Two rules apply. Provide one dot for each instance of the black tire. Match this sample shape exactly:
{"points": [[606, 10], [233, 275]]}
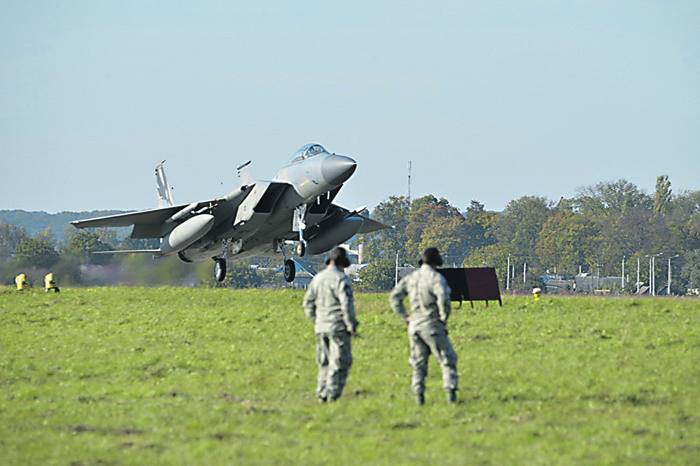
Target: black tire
{"points": [[290, 270], [300, 249], [220, 270]]}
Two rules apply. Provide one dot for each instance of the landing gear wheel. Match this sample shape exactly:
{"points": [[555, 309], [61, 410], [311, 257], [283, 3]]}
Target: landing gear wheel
{"points": [[220, 269], [300, 249], [290, 270]]}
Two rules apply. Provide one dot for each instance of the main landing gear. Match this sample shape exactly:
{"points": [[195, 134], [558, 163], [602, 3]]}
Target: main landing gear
{"points": [[220, 269], [290, 269], [220, 262]]}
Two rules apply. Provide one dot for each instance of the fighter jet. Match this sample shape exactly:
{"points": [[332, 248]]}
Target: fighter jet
{"points": [[290, 216]]}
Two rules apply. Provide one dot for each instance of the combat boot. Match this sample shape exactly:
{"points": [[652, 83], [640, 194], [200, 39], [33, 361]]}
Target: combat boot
{"points": [[452, 396]]}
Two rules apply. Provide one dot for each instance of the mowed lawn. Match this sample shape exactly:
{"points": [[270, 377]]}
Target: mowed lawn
{"points": [[175, 376]]}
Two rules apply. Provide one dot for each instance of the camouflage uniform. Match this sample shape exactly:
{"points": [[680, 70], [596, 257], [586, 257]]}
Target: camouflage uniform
{"points": [[429, 295], [330, 303]]}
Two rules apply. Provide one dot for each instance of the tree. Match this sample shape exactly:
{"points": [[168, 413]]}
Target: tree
{"points": [[378, 275], [610, 198], [47, 235], [428, 215], [662, 195], [83, 245], [632, 232], [479, 232], [129, 243], [567, 241], [684, 207], [10, 237], [690, 271], [423, 210], [495, 255], [36, 252], [520, 224], [387, 243], [449, 235]]}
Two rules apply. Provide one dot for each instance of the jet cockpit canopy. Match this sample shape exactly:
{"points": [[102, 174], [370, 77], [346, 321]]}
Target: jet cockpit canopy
{"points": [[308, 150]]}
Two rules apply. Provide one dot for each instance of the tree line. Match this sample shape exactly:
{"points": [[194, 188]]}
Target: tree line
{"points": [[596, 231]]}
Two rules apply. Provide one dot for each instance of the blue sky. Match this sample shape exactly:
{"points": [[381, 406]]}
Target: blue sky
{"points": [[488, 100]]}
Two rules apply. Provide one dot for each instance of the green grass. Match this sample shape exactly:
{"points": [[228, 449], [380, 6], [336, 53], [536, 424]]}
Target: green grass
{"points": [[173, 376]]}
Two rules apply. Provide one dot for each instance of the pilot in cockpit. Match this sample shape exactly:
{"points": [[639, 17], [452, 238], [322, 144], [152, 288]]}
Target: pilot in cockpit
{"points": [[307, 151]]}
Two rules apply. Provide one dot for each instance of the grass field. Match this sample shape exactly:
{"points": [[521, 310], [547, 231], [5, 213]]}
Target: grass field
{"points": [[173, 376]]}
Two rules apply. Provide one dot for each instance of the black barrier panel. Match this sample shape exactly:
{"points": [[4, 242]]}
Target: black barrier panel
{"points": [[473, 284], [457, 280]]}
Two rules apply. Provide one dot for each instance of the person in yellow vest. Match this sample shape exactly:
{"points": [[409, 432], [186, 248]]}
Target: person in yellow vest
{"points": [[21, 282], [536, 293], [50, 283]]}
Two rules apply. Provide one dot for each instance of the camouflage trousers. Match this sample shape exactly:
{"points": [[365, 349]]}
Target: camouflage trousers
{"points": [[426, 340], [334, 358]]}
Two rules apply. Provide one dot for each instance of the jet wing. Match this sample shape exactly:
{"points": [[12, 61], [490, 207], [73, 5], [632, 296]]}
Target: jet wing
{"points": [[152, 216], [153, 223]]}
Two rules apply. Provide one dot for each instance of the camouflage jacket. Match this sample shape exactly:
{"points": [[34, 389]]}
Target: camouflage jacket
{"points": [[329, 302], [428, 293]]}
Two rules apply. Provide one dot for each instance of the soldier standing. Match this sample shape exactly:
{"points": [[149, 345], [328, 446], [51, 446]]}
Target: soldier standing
{"points": [[329, 302], [429, 296]]}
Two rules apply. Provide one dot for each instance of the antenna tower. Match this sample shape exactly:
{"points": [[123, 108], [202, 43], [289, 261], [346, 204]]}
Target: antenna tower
{"points": [[409, 180]]}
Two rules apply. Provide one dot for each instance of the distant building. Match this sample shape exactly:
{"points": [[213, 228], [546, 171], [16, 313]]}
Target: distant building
{"points": [[582, 283]]}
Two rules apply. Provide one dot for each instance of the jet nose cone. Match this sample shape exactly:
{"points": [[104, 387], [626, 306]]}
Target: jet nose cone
{"points": [[336, 169]]}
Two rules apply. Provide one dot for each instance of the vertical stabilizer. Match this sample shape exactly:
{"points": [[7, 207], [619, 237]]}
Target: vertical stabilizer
{"points": [[244, 174], [165, 195]]}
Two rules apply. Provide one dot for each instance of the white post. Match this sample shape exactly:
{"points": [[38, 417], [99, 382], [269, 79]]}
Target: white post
{"points": [[637, 275], [623, 273], [508, 274], [396, 272], [653, 275], [524, 272]]}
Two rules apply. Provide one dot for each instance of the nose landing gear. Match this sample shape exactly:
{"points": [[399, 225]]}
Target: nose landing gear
{"points": [[290, 270]]}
